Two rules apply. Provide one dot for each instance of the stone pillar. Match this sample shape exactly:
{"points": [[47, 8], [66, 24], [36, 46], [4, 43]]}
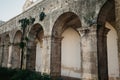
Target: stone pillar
{"points": [[56, 57], [46, 53], [102, 53], [5, 54], [1, 53], [89, 53], [29, 56], [9, 65], [117, 13]]}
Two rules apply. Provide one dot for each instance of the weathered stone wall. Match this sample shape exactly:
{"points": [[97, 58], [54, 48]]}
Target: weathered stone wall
{"points": [[117, 11], [53, 9], [1, 22], [86, 11]]}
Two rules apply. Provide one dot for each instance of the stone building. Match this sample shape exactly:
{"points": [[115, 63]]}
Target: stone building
{"points": [[77, 39], [1, 22]]}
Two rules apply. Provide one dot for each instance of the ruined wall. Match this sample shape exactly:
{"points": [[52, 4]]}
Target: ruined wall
{"points": [[85, 10], [117, 11]]}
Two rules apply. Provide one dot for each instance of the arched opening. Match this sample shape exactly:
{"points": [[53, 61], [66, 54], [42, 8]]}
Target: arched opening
{"points": [[16, 53], [6, 51], [70, 54], [107, 39], [64, 38], [112, 50], [39, 52], [35, 47]]}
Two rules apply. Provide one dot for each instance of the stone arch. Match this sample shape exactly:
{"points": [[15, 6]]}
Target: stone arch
{"points": [[106, 14], [6, 51], [69, 19], [64, 22], [16, 54], [34, 47], [17, 37], [105, 10]]}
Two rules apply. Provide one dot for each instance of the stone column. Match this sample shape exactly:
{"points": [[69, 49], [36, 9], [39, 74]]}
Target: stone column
{"points": [[5, 54], [56, 57], [102, 53], [46, 53], [29, 56], [1, 53], [117, 13], [89, 53], [9, 65]]}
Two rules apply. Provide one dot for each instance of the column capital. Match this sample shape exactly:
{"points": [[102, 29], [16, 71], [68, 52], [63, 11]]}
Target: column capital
{"points": [[11, 44], [87, 30], [106, 30], [47, 36], [15, 44], [56, 38], [103, 31]]}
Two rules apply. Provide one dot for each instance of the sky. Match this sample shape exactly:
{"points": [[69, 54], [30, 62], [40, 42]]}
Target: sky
{"points": [[10, 8]]}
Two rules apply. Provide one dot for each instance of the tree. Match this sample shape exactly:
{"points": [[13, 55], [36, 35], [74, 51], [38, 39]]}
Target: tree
{"points": [[24, 23]]}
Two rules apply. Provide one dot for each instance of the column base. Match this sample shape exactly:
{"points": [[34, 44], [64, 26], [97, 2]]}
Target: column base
{"points": [[88, 76], [9, 65], [114, 78]]}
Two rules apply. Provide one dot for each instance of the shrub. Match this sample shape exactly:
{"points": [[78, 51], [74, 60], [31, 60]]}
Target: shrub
{"points": [[26, 75], [15, 74]]}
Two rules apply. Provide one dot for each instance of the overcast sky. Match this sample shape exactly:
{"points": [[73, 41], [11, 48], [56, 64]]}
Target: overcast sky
{"points": [[10, 8]]}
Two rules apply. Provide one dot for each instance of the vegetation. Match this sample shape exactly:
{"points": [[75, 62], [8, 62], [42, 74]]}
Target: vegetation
{"points": [[15, 74], [24, 23], [42, 16]]}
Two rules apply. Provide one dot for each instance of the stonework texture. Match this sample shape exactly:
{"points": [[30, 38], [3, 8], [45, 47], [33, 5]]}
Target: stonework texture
{"points": [[87, 17]]}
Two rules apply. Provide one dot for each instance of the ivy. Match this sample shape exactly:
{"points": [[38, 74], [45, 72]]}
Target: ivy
{"points": [[26, 38], [42, 16], [32, 20], [22, 45], [25, 22]]}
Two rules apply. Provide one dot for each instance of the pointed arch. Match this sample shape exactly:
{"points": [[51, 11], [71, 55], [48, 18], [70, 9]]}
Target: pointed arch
{"points": [[35, 46], [64, 22], [106, 14], [17, 37], [6, 51], [16, 53]]}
